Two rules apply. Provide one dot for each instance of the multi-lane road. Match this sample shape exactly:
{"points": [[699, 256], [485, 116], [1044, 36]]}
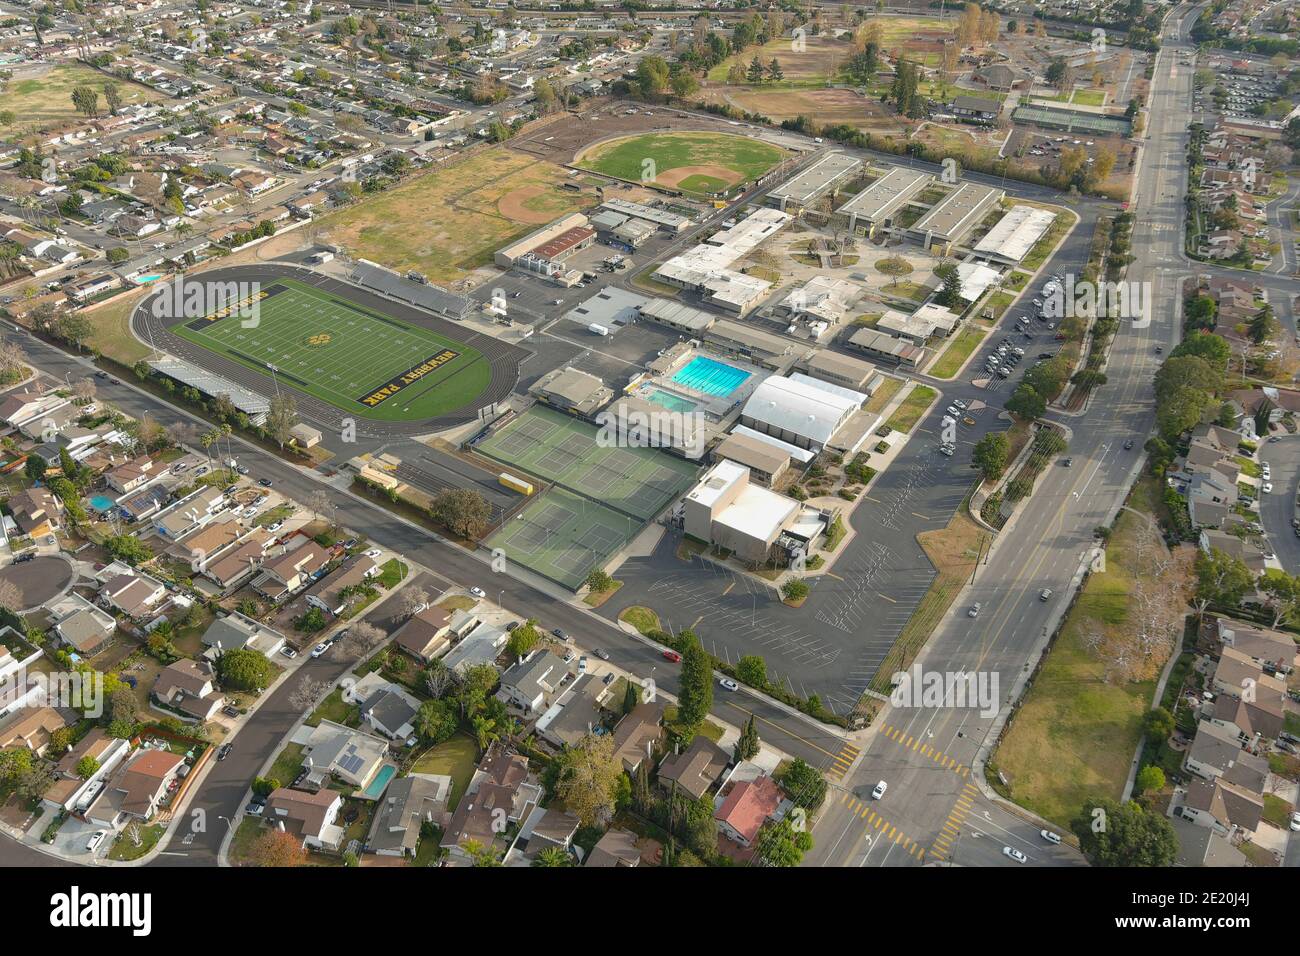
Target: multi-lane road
{"points": [[934, 809]]}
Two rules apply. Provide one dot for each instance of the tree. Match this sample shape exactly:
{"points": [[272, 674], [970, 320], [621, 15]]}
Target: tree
{"points": [[1281, 595], [1157, 726], [523, 639], [87, 766], [553, 856], [774, 71], [34, 468], [755, 72], [631, 697], [128, 548], [894, 266], [587, 778], [794, 590], [113, 97], [86, 100], [752, 670], [1026, 403], [695, 696], [599, 581], [779, 844], [413, 600], [436, 721], [803, 784], [1220, 579], [747, 744], [277, 848], [949, 293], [1115, 834], [990, 455], [462, 511], [362, 638], [244, 669], [281, 418], [1150, 778]]}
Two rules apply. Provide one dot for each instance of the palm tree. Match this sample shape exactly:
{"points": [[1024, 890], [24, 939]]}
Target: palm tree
{"points": [[553, 856]]}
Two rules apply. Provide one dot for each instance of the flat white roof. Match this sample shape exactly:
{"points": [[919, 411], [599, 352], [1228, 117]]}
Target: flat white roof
{"points": [[817, 178], [1016, 233], [798, 408], [801, 455], [716, 481], [886, 194], [849, 394], [975, 278]]}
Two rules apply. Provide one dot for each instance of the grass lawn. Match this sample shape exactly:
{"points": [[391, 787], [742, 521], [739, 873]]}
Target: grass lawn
{"points": [[1075, 735], [246, 834], [124, 847], [884, 394], [391, 572], [1277, 811], [914, 405], [483, 202], [642, 618], [597, 598], [998, 302], [334, 708], [907, 289], [458, 602], [456, 758], [1045, 246], [111, 335], [287, 764], [45, 100], [359, 361], [707, 729], [1089, 97], [957, 352]]}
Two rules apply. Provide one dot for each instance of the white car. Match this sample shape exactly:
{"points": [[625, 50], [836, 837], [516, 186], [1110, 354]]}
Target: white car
{"points": [[320, 648], [974, 610], [582, 664], [95, 840], [1295, 822], [960, 404], [726, 683], [478, 592], [274, 526], [1050, 837], [954, 411], [1014, 854], [879, 791], [1266, 487], [947, 450], [1045, 594], [288, 652], [373, 553]]}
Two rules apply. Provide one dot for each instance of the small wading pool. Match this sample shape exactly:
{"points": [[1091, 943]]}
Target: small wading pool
{"points": [[674, 403]]}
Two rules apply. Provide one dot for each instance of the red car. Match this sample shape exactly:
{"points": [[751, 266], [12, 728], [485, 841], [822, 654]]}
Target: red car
{"points": [[672, 656]]}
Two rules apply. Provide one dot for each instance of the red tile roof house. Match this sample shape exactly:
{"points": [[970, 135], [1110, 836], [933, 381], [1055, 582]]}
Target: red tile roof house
{"points": [[747, 807], [309, 816], [136, 790]]}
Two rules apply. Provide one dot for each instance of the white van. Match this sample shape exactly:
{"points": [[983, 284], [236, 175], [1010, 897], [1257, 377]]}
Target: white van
{"points": [[96, 839]]}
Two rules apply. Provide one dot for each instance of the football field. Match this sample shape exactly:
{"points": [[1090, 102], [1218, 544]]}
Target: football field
{"points": [[360, 361]]}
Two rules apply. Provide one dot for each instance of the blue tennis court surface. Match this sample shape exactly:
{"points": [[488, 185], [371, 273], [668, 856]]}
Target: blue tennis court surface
{"points": [[710, 377]]}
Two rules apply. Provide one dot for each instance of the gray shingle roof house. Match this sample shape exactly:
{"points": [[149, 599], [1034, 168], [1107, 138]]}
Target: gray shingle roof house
{"points": [[390, 713], [410, 802]]}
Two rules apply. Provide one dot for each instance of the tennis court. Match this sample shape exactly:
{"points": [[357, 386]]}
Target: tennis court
{"points": [[562, 536], [639, 482]]}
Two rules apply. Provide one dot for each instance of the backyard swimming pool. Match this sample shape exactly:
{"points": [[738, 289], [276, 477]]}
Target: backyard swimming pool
{"points": [[710, 377]]}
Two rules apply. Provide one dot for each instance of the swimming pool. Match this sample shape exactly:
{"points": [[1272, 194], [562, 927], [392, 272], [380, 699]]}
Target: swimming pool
{"points": [[102, 503], [710, 377], [674, 403], [376, 788]]}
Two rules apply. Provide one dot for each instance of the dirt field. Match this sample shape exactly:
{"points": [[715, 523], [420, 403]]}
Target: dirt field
{"points": [[821, 58], [448, 221], [41, 98], [825, 106]]}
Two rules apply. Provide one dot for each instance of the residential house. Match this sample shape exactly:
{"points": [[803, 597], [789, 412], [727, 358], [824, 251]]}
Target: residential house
{"points": [[616, 847], [696, 769], [501, 792], [189, 687], [747, 806], [334, 592], [286, 573], [135, 791], [31, 727], [82, 626], [1229, 809], [1216, 750], [69, 787], [533, 681], [391, 711], [235, 631], [135, 595], [638, 734], [193, 511], [309, 816], [425, 634], [410, 802], [1273, 650], [36, 511], [1204, 846], [131, 475], [576, 713], [237, 565], [334, 751]]}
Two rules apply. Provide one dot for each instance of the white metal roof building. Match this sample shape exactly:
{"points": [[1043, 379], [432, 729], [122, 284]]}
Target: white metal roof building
{"points": [[884, 197], [815, 181], [706, 268], [956, 214], [805, 413], [1015, 234]]}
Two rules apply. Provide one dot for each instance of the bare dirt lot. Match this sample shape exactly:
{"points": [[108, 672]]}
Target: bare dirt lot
{"points": [[825, 106]]}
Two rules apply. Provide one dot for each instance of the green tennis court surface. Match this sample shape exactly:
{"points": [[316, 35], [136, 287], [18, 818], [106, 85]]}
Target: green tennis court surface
{"points": [[562, 536], [363, 362], [639, 482]]}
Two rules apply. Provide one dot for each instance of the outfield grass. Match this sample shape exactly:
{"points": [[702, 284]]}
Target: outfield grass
{"points": [[359, 361], [704, 162], [913, 407], [1074, 736], [957, 352]]}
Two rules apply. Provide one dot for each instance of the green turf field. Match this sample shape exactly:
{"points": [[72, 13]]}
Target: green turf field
{"points": [[639, 482], [365, 363], [709, 161], [562, 536]]}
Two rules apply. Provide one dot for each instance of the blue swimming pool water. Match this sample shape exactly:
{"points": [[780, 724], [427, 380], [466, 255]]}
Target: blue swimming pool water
{"points": [[101, 503], [674, 403], [710, 377], [145, 279], [376, 788]]}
